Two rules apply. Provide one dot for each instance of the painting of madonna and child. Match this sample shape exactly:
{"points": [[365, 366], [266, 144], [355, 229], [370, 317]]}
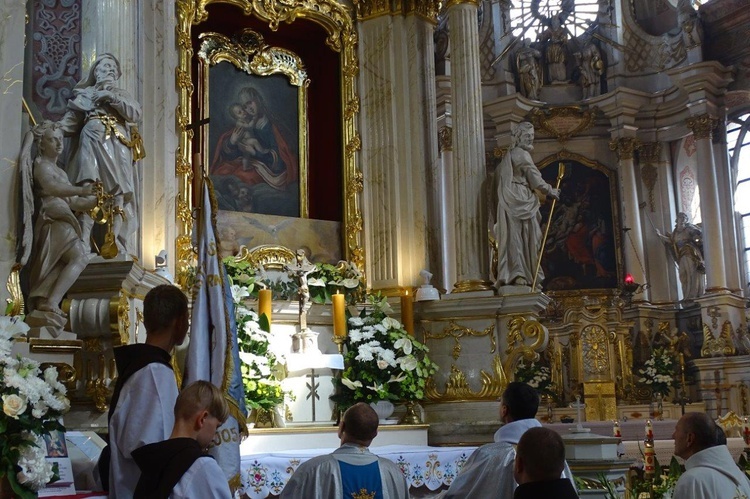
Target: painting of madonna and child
{"points": [[580, 249], [253, 142]]}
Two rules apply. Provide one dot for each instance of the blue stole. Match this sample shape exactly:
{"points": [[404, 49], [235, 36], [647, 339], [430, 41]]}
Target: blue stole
{"points": [[361, 482]]}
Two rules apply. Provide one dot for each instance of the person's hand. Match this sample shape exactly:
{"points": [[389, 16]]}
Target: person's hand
{"points": [[236, 134], [554, 193], [88, 190]]}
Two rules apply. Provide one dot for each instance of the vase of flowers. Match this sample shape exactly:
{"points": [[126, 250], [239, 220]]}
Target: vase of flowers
{"points": [[33, 403], [536, 376], [382, 361], [658, 372]]}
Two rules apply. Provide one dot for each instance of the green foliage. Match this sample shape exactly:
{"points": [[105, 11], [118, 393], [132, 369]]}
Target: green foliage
{"points": [[658, 372], [536, 376], [382, 361]]}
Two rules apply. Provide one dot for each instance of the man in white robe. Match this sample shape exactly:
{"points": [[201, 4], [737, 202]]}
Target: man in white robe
{"points": [[351, 470], [142, 408], [488, 473], [710, 470]]}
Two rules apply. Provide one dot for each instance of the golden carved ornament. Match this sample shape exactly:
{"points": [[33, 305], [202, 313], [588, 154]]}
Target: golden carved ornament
{"points": [[92, 345], [445, 138], [457, 387], [123, 319], [520, 328], [595, 350], [721, 346], [249, 52], [649, 152], [624, 147], [563, 122], [457, 332], [66, 374], [337, 20], [729, 421], [13, 285], [451, 3], [270, 256], [702, 126]]}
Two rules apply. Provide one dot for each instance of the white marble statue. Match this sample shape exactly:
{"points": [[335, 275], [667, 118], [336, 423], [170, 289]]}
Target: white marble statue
{"points": [[556, 38], [54, 247], [106, 144], [516, 221], [529, 70], [591, 66], [685, 245]]}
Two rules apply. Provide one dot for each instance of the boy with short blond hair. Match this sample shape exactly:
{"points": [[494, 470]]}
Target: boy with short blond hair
{"points": [[179, 468]]}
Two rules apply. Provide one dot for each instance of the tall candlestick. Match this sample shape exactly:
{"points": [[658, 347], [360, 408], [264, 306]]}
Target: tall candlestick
{"points": [[339, 316], [407, 312], [264, 303]]}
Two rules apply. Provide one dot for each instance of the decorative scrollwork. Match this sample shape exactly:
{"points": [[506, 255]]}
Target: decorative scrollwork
{"points": [[457, 387], [702, 126], [270, 256], [721, 346], [456, 332], [624, 147], [563, 122]]}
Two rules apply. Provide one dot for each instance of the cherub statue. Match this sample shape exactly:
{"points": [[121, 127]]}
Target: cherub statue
{"points": [[51, 241]]}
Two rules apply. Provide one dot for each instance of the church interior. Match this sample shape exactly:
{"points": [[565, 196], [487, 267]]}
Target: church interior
{"points": [[361, 148]]}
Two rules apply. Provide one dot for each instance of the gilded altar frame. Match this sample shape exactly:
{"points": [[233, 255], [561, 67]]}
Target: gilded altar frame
{"points": [[338, 23], [247, 52]]}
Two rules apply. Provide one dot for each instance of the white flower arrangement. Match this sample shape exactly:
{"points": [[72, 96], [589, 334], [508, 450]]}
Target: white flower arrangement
{"points": [[658, 372], [536, 376], [383, 361], [33, 402]]}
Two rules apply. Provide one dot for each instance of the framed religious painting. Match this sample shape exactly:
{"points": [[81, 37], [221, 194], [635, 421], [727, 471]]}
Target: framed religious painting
{"points": [[255, 146], [581, 249]]}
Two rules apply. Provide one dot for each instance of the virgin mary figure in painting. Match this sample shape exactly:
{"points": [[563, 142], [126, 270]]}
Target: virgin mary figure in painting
{"points": [[255, 154]]}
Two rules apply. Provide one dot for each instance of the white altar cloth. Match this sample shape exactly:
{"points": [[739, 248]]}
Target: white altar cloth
{"points": [[423, 466]]}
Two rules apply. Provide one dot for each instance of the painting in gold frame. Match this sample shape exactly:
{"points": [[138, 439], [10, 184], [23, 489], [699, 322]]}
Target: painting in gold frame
{"points": [[254, 98], [581, 251], [337, 21]]}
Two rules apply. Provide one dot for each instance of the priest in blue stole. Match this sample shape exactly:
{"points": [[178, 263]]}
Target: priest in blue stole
{"points": [[351, 471]]}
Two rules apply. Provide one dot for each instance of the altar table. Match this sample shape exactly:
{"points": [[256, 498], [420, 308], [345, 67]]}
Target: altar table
{"points": [[266, 474]]}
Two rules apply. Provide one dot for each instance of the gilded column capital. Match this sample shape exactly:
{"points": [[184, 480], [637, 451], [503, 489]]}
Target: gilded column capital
{"points": [[649, 152], [445, 138], [451, 3], [426, 9], [369, 9], [702, 126], [624, 147]]}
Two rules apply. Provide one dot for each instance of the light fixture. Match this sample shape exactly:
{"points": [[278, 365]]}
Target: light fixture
{"points": [[160, 266], [426, 292]]}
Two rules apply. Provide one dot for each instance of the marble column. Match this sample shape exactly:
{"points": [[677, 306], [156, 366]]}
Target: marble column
{"points": [[12, 26], [159, 186], [702, 127], [468, 149], [398, 112], [632, 239]]}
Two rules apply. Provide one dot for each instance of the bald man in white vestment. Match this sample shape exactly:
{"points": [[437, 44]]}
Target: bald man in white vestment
{"points": [[488, 473], [142, 407], [351, 470], [710, 470]]}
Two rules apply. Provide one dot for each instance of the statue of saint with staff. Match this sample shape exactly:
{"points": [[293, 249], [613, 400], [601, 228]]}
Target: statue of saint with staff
{"points": [[516, 221]]}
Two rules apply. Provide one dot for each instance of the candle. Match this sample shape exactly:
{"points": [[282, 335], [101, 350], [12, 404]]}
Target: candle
{"points": [[407, 312], [339, 316], [649, 431], [264, 303], [616, 430], [649, 458]]}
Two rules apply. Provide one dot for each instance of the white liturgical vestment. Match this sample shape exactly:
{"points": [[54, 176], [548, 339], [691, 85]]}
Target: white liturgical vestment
{"points": [[488, 473], [203, 479], [712, 473], [320, 477], [144, 415]]}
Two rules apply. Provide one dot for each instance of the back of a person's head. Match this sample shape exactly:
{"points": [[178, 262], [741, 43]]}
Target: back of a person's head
{"points": [[162, 305], [361, 423], [201, 396], [542, 452], [721, 437], [521, 400], [704, 428]]}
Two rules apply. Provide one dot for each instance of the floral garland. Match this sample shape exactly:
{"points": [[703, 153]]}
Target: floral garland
{"points": [[324, 281], [33, 402], [382, 361], [658, 372]]}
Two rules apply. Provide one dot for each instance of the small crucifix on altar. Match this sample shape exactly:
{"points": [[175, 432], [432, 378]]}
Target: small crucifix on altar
{"points": [[306, 340]]}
